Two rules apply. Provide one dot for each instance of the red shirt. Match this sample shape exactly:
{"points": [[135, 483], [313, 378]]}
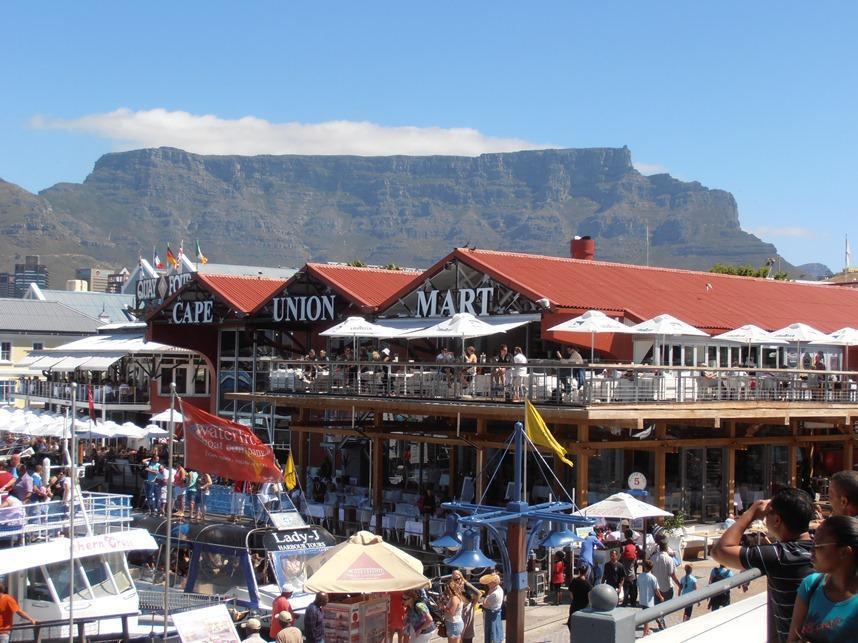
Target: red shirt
{"points": [[5, 477], [396, 615], [8, 608], [280, 604], [559, 575]]}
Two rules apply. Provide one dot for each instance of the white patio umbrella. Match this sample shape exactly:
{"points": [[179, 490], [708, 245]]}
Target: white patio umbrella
{"points": [[800, 334], [164, 416], [153, 430], [844, 337], [667, 326], [624, 505], [750, 334], [355, 327], [593, 321], [131, 430], [460, 326]]}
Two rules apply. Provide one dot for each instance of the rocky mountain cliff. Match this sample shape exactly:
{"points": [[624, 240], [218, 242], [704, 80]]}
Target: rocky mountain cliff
{"points": [[285, 210]]}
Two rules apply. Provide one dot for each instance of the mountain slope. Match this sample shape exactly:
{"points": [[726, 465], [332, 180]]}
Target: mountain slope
{"points": [[285, 210]]}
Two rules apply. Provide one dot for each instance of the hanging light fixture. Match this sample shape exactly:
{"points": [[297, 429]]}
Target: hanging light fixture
{"points": [[560, 536], [450, 541], [470, 556]]}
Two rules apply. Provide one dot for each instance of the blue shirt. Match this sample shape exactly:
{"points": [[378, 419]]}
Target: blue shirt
{"points": [[152, 470], [687, 584], [588, 546], [826, 620], [647, 586]]}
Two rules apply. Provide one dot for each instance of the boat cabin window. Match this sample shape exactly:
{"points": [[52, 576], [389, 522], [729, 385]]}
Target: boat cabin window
{"points": [[98, 572], [59, 573], [218, 572], [120, 572], [37, 587]]}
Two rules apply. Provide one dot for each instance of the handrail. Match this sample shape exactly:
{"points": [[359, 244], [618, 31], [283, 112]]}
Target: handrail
{"points": [[607, 623], [691, 598]]}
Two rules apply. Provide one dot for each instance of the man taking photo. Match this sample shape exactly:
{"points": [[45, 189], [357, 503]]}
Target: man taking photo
{"points": [[785, 562]]}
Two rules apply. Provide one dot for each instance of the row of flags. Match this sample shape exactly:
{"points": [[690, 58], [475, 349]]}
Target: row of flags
{"points": [[175, 258]]}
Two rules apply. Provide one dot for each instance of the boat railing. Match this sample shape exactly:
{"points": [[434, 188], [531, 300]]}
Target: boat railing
{"points": [[36, 521], [42, 630], [152, 601]]}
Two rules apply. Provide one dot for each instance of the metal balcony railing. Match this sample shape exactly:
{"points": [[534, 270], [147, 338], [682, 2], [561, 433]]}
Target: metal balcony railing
{"points": [[554, 382], [110, 394]]}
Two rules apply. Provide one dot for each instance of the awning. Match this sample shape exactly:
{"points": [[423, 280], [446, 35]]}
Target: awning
{"points": [[62, 362]]}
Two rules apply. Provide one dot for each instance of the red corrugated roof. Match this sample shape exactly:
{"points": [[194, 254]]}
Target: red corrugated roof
{"points": [[710, 301], [367, 287], [241, 293]]}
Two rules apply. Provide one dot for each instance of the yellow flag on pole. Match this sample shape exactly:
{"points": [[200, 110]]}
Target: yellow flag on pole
{"points": [[539, 434], [290, 477]]}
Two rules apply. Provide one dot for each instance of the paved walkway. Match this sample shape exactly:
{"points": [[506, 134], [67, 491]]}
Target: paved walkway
{"points": [[547, 623]]}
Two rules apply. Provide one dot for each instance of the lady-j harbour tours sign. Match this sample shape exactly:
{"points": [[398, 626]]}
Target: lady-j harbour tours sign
{"points": [[227, 449]]}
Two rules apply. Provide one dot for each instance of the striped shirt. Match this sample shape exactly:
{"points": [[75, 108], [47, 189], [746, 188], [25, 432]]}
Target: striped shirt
{"points": [[785, 565]]}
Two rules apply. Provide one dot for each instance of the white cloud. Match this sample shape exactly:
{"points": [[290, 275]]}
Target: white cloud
{"points": [[649, 168], [208, 134], [783, 231]]}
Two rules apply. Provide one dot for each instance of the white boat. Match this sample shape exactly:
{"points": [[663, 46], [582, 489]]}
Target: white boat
{"points": [[36, 558]]}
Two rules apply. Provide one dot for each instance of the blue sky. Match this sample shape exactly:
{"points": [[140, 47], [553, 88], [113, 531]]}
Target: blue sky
{"points": [[756, 98]]}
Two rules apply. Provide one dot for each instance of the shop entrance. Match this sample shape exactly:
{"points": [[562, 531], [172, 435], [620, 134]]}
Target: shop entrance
{"points": [[702, 483]]}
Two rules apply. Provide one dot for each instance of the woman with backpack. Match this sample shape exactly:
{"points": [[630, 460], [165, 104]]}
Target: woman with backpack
{"points": [[687, 584], [419, 624]]}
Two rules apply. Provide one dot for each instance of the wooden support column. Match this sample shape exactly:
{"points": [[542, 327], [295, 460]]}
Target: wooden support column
{"points": [[660, 474], [479, 469], [848, 455], [377, 472], [559, 468], [792, 449], [454, 470], [583, 467], [302, 452], [377, 481], [731, 470]]}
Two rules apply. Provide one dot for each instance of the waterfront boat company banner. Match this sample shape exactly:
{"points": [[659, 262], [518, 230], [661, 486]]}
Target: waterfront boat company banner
{"points": [[225, 448]]}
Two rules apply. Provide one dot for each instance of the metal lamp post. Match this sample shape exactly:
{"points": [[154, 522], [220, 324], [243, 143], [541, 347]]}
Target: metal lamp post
{"points": [[515, 546]]}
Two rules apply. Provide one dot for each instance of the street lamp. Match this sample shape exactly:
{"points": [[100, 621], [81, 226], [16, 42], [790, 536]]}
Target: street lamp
{"points": [[559, 537], [450, 541], [514, 547], [470, 556]]}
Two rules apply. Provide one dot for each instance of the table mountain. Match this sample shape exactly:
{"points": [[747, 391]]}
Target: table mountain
{"points": [[285, 210]]}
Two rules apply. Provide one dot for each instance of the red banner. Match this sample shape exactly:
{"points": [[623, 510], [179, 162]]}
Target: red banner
{"points": [[221, 447]]}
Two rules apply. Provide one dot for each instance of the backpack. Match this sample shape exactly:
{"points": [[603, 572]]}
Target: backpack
{"points": [[630, 552]]}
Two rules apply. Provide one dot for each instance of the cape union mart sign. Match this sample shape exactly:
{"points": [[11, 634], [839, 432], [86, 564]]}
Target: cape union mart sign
{"points": [[305, 308], [446, 303], [192, 312]]}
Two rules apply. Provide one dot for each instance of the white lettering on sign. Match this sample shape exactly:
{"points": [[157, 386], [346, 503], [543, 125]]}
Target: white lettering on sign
{"points": [[193, 312], [446, 303], [161, 287], [309, 308]]}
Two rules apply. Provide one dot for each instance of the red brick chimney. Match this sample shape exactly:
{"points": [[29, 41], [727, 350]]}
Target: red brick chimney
{"points": [[583, 248]]}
